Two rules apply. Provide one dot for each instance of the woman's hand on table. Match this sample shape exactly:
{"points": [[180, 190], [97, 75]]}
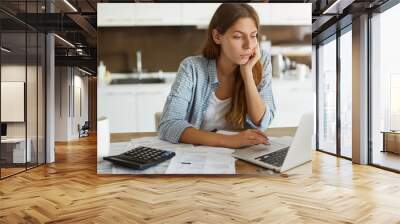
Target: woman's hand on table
{"points": [[245, 138]]}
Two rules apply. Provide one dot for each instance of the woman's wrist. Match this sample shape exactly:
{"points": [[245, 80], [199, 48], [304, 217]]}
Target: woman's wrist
{"points": [[246, 72], [223, 140], [247, 76], [248, 80]]}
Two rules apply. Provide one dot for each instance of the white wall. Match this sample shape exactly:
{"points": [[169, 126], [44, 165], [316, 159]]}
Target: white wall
{"points": [[62, 81], [17, 73], [70, 83], [80, 100], [33, 126]]}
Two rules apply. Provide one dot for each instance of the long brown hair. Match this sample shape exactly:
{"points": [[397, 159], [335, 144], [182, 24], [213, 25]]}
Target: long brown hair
{"points": [[224, 17]]}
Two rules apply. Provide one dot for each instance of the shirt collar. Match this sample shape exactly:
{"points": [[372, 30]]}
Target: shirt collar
{"points": [[212, 71]]}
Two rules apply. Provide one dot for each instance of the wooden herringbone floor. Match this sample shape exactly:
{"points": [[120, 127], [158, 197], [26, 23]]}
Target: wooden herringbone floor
{"points": [[70, 191]]}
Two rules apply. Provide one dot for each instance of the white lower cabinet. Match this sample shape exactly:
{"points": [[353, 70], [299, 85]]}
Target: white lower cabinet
{"points": [[148, 104], [132, 108], [119, 108]]}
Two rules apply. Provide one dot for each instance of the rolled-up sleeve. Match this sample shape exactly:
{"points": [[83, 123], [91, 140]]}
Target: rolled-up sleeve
{"points": [[175, 114], [265, 90]]}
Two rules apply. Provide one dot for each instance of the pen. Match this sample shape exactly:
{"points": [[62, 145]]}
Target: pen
{"points": [[185, 163]]}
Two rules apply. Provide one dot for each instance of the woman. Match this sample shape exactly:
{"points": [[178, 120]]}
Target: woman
{"points": [[226, 88]]}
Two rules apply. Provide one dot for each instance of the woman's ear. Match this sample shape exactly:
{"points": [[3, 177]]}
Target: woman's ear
{"points": [[216, 36]]}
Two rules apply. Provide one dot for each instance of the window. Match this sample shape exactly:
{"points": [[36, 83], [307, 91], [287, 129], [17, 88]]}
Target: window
{"points": [[22, 74], [327, 96], [346, 93], [385, 89]]}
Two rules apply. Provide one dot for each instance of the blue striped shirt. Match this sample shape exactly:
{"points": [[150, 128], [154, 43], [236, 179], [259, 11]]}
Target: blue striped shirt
{"points": [[190, 94]]}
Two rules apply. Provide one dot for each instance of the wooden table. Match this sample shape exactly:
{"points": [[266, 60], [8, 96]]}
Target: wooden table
{"points": [[391, 141], [241, 166]]}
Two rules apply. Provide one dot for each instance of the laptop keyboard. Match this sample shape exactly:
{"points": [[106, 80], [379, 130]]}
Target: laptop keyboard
{"points": [[274, 158]]}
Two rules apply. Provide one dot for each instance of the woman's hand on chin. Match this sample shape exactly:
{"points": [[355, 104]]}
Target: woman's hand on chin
{"points": [[246, 69]]}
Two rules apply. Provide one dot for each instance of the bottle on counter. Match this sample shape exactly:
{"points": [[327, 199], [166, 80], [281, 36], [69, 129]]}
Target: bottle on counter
{"points": [[103, 75], [101, 72], [139, 61], [265, 44]]}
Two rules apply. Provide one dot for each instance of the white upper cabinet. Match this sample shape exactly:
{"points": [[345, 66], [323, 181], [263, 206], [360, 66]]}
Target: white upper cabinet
{"points": [[138, 14], [150, 14], [194, 14], [198, 14], [294, 14], [112, 14]]}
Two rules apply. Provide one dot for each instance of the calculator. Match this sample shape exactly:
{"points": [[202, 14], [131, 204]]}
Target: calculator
{"points": [[141, 157]]}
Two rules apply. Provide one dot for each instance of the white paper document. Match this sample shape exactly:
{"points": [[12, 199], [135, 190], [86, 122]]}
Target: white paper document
{"points": [[190, 159], [202, 160]]}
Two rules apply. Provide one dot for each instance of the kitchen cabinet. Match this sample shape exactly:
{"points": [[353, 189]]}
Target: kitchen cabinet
{"points": [[148, 104], [119, 108], [271, 14], [132, 108], [293, 98], [139, 14], [150, 14], [194, 14], [198, 14], [114, 15]]}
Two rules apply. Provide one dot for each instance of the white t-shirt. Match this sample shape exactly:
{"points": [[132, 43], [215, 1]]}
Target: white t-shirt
{"points": [[214, 117]]}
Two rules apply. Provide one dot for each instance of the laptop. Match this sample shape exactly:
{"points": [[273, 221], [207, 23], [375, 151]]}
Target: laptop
{"points": [[281, 156]]}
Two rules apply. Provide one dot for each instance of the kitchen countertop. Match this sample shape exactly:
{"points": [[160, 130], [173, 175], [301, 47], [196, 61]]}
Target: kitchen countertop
{"points": [[139, 87], [168, 76], [122, 88]]}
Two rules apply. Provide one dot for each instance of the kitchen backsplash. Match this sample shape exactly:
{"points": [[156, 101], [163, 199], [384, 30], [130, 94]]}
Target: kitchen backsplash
{"points": [[163, 48]]}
